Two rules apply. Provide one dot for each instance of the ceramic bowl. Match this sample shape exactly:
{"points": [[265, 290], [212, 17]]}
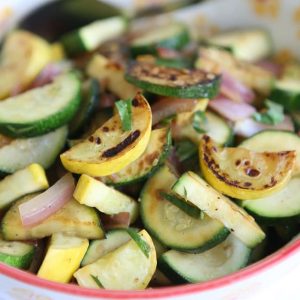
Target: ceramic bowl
{"points": [[276, 275]]}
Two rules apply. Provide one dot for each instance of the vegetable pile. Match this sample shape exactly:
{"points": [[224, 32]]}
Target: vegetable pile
{"points": [[135, 159]]}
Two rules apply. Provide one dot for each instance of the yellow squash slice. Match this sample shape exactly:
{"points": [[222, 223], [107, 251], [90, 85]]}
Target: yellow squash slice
{"points": [[126, 268], [109, 149], [63, 257], [111, 75], [94, 193], [245, 174], [23, 56]]}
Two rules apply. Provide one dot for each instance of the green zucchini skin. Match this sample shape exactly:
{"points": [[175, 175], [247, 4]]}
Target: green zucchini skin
{"points": [[89, 37], [89, 101], [20, 255], [167, 81], [288, 99], [183, 267], [73, 44], [175, 62], [49, 122], [296, 119], [171, 274]]}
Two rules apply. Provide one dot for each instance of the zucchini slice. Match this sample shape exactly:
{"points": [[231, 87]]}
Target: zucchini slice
{"points": [[109, 149], [173, 35], [244, 174], [94, 193], [227, 257], [248, 45], [19, 153], [110, 74], [174, 82], [114, 239], [73, 219], [63, 257], [89, 102], [172, 226], [16, 254], [274, 141], [282, 207], [23, 56], [197, 191], [216, 127], [91, 36], [218, 60], [41, 110], [287, 93], [154, 155], [26, 181], [126, 262]]}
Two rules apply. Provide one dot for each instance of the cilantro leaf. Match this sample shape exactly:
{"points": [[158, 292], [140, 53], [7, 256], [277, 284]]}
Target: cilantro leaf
{"points": [[199, 121], [124, 110], [272, 115]]}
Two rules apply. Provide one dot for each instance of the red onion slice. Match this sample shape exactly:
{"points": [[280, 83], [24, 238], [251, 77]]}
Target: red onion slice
{"points": [[248, 127], [235, 90], [231, 110], [47, 203], [270, 66], [48, 74], [168, 106]]}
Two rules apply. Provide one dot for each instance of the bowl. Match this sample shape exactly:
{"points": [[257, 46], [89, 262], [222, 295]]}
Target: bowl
{"points": [[276, 275]]}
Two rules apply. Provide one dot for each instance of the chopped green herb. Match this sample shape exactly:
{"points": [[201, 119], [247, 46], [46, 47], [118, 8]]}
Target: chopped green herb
{"points": [[185, 149], [139, 241], [184, 192], [96, 279], [272, 115], [199, 121], [167, 120], [190, 209], [124, 110]]}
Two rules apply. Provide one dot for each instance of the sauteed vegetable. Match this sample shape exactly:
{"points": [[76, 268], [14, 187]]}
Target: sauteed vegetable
{"points": [[133, 159]]}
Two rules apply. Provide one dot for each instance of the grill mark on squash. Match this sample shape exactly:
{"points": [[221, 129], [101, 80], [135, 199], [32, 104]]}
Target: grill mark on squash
{"points": [[121, 146]]}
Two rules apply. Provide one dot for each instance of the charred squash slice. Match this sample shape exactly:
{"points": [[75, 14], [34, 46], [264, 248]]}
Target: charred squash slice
{"points": [[245, 174], [154, 155], [23, 56], [109, 149]]}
